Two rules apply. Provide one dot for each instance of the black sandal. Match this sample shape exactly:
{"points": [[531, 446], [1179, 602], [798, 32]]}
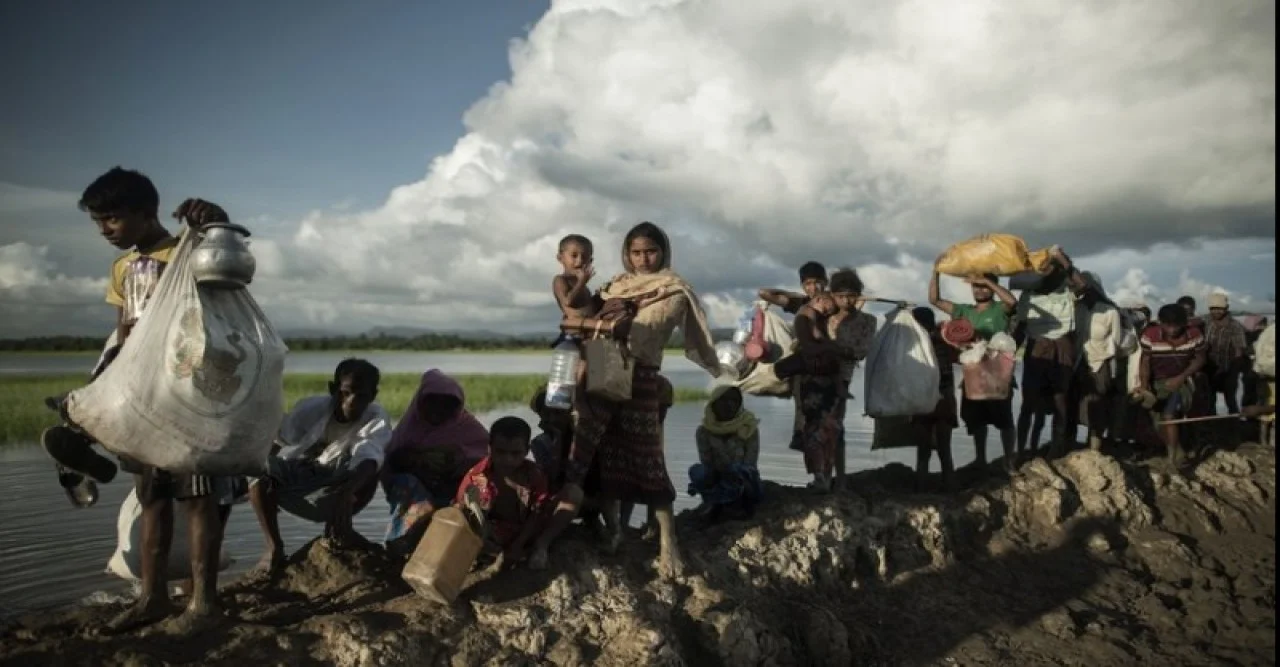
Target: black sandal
{"points": [[74, 451], [82, 492]]}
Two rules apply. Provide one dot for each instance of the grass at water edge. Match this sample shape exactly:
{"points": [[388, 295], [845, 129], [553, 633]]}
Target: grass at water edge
{"points": [[23, 414]]}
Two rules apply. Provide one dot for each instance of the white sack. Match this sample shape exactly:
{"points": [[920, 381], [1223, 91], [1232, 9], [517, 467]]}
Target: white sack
{"points": [[126, 562], [1264, 362], [902, 375], [197, 388]]}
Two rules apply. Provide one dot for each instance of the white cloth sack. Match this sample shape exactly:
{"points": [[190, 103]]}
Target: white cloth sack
{"points": [[1264, 362], [197, 388], [902, 374], [126, 562], [761, 380]]}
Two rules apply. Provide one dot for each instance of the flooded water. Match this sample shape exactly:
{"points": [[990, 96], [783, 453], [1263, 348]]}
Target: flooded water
{"points": [[51, 553]]}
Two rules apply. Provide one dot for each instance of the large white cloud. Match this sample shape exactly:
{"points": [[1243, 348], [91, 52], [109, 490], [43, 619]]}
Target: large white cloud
{"points": [[763, 134]]}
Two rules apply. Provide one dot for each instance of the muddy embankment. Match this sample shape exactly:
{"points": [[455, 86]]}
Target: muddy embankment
{"points": [[1081, 561]]}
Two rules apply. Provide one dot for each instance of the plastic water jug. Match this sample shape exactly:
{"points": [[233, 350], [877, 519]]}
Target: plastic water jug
{"points": [[440, 565], [563, 379]]}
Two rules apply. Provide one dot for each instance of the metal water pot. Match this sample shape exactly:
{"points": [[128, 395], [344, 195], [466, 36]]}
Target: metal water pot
{"points": [[222, 260]]}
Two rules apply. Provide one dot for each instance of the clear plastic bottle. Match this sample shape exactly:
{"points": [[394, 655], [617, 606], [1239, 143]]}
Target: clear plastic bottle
{"points": [[742, 333], [563, 379]]}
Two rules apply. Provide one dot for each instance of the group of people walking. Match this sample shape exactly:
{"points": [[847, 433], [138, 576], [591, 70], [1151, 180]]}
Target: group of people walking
{"points": [[606, 454]]}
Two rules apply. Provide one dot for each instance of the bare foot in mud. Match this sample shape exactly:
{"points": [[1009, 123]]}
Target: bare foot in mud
{"points": [[670, 565], [650, 532], [143, 613], [270, 566], [195, 620]]}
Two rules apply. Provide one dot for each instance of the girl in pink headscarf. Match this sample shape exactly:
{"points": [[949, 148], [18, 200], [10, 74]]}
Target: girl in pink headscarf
{"points": [[434, 444]]}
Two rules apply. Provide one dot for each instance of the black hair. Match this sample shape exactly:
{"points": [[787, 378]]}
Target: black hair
{"points": [[578, 239], [812, 271], [511, 427], [121, 190], [646, 230], [995, 280], [845, 280], [1187, 302], [358, 370], [925, 317], [1173, 314]]}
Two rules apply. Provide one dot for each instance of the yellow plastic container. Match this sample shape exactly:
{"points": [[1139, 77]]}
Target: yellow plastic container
{"points": [[444, 557]]}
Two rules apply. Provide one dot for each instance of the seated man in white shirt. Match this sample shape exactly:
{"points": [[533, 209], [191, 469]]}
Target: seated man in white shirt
{"points": [[330, 449]]}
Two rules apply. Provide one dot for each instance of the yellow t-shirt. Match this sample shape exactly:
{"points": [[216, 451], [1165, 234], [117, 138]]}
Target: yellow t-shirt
{"points": [[120, 268]]}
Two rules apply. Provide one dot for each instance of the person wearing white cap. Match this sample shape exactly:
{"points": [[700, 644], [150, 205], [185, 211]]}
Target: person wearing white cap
{"points": [[1228, 351]]}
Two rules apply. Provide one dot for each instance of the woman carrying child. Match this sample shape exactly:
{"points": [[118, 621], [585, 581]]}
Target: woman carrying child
{"points": [[727, 474], [431, 448], [627, 435]]}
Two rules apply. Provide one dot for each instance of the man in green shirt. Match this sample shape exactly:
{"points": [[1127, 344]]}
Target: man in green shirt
{"points": [[990, 314]]}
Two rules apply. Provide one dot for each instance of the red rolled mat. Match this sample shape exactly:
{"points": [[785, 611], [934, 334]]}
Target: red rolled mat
{"points": [[959, 332]]}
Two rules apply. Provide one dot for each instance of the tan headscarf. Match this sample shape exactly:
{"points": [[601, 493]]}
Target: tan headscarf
{"points": [[698, 345]]}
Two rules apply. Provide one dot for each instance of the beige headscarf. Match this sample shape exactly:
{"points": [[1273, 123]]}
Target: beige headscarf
{"points": [[698, 345]]}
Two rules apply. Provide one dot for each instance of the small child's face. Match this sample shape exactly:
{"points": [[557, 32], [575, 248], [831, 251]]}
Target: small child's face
{"points": [[507, 453], [813, 286], [573, 256], [122, 229], [823, 304], [846, 301]]}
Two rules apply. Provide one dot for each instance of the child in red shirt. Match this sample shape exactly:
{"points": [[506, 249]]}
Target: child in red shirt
{"points": [[511, 490]]}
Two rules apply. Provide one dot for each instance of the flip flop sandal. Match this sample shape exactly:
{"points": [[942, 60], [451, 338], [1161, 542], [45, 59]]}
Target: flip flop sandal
{"points": [[82, 493], [74, 452]]}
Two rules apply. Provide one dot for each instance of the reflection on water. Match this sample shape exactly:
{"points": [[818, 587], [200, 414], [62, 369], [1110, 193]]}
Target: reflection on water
{"points": [[53, 554]]}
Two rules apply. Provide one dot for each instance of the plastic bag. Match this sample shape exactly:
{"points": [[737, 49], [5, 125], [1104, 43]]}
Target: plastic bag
{"points": [[1264, 362], [1001, 254], [988, 368], [902, 375], [198, 386], [126, 562], [780, 341]]}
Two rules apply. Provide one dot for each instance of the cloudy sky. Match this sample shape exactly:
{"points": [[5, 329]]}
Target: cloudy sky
{"points": [[414, 163]]}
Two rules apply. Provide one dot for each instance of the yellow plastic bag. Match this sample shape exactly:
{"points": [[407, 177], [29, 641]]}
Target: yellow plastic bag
{"points": [[1001, 254]]}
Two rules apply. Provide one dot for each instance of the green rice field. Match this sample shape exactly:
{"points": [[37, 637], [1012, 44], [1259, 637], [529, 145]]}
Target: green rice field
{"points": [[23, 414]]}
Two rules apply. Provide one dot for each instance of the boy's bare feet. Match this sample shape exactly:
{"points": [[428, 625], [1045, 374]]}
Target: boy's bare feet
{"points": [[195, 620], [144, 612], [670, 565], [271, 564]]}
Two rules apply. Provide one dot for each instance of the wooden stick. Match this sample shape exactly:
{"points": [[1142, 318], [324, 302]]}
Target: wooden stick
{"points": [[1192, 420]]}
